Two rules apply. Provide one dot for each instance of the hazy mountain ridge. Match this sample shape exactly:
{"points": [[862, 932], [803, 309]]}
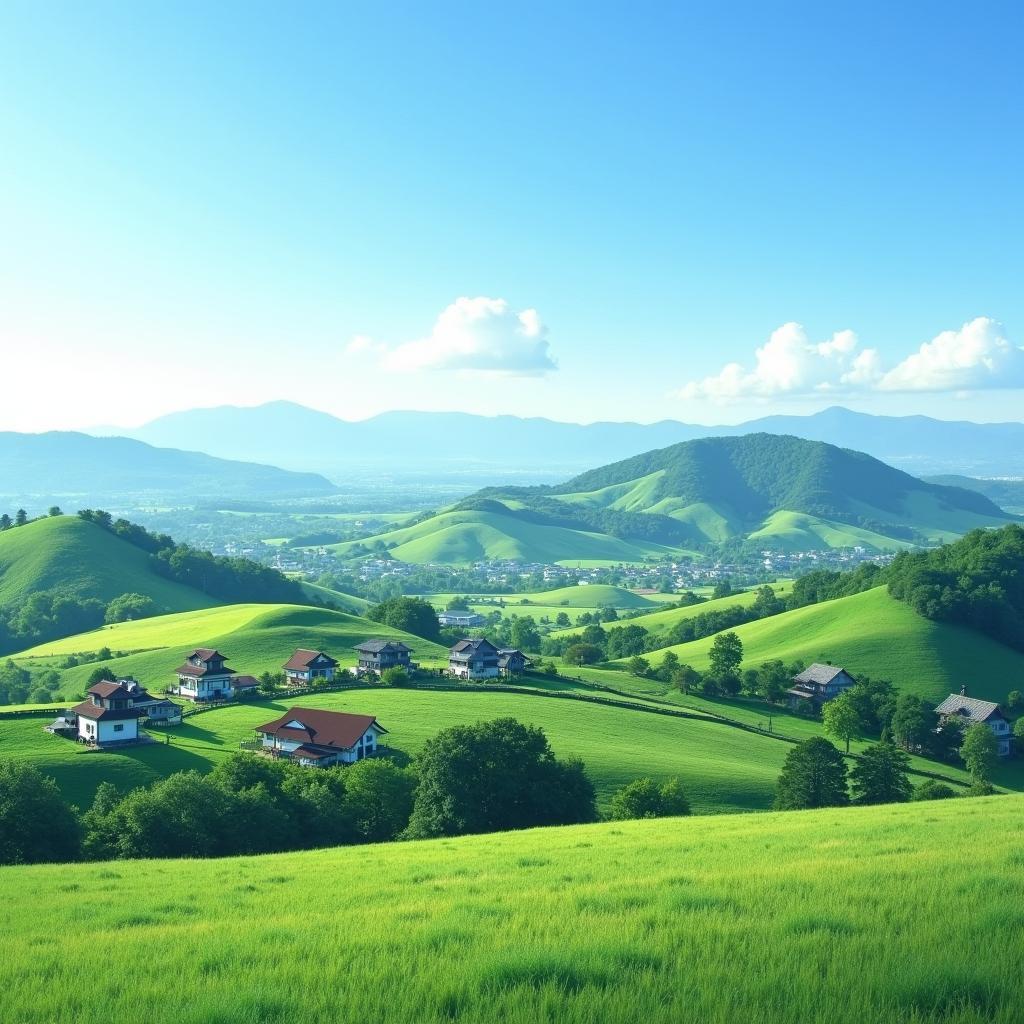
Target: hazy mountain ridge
{"points": [[292, 435]]}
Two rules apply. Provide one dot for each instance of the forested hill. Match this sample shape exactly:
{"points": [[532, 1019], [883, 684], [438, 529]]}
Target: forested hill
{"points": [[758, 474]]}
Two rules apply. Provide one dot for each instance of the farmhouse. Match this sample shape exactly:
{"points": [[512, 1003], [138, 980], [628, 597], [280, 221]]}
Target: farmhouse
{"points": [[377, 655], [512, 662], [158, 710], [204, 676], [305, 666], [474, 659], [818, 684], [317, 738], [462, 619], [108, 717], [970, 711]]}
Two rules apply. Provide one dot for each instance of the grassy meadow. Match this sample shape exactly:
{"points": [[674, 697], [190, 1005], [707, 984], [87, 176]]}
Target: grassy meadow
{"points": [[76, 557], [723, 769], [812, 917], [873, 634]]}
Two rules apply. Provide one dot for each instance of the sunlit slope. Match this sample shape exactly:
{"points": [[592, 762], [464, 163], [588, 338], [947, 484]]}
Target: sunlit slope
{"points": [[80, 558], [724, 769], [812, 917], [873, 634], [467, 536]]}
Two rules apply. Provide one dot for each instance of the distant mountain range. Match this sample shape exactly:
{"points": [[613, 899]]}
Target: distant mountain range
{"points": [[62, 466], [403, 443], [772, 491]]}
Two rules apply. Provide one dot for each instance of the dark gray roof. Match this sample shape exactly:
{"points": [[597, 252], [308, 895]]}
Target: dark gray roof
{"points": [[818, 673], [969, 708], [376, 646]]}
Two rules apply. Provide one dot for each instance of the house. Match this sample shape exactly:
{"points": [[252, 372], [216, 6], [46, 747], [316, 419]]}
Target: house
{"points": [[317, 738], [377, 655], [305, 666], [474, 659], [157, 710], [462, 619], [971, 711], [512, 662], [204, 676], [818, 684], [108, 717]]}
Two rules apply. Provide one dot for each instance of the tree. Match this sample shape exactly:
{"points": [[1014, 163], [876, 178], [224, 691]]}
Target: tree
{"points": [[639, 666], [980, 751], [646, 798], [668, 667], [562, 620], [395, 676], [54, 511], [5, 522], [1014, 701], [932, 789], [813, 775], [36, 825], [20, 517], [129, 607], [842, 719], [101, 675], [609, 614], [379, 798], [411, 614], [583, 654], [1018, 731], [911, 722], [686, 678], [726, 655], [723, 589], [494, 776], [774, 680], [880, 775]]}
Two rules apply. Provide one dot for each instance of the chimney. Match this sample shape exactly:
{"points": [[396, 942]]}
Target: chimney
{"points": [[963, 690]]}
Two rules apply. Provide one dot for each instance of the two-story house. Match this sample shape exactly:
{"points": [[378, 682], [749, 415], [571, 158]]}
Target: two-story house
{"points": [[818, 684], [377, 655], [317, 738], [305, 666], [205, 676], [970, 711], [108, 717], [474, 659], [512, 662]]}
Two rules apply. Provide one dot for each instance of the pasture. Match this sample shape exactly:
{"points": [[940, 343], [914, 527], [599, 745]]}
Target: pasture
{"points": [[811, 917]]}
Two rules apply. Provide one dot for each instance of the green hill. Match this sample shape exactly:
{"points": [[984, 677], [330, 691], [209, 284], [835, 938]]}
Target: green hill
{"points": [[336, 599], [82, 559], [777, 491], [465, 536], [809, 917], [593, 595], [873, 634]]}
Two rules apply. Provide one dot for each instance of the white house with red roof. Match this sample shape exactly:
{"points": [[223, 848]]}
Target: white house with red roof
{"points": [[205, 676], [305, 666], [317, 738]]}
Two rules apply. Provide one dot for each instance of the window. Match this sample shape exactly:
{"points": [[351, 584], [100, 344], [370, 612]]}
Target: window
{"points": [[119, 727]]}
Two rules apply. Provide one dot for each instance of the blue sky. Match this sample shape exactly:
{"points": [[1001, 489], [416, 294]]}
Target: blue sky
{"points": [[580, 211]]}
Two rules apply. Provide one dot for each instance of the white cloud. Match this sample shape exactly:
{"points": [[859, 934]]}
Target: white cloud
{"points": [[478, 334], [974, 358], [977, 357]]}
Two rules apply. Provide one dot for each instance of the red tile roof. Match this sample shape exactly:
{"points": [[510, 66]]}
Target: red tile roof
{"points": [[303, 659], [198, 671], [313, 753], [244, 682], [321, 728], [89, 710], [105, 690]]}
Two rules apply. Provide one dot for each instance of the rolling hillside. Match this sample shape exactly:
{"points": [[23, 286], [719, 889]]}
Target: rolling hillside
{"points": [[873, 634], [463, 537], [80, 558], [655, 921]]}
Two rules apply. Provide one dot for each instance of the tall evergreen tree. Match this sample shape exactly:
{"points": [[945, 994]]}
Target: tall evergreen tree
{"points": [[880, 776], [814, 775]]}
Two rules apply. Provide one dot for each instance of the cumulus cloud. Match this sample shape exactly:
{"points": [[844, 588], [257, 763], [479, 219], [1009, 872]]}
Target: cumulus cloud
{"points": [[473, 334], [976, 357]]}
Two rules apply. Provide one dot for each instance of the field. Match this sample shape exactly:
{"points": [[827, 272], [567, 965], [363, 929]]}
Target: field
{"points": [[873, 634], [80, 558], [722, 768], [465, 537], [840, 917], [661, 622], [256, 638]]}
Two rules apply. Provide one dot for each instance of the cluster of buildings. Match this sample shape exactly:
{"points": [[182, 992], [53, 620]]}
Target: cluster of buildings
{"points": [[819, 684]]}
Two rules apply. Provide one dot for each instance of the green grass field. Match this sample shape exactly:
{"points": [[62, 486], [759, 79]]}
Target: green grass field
{"points": [[336, 599], [80, 558], [873, 634], [256, 638], [723, 769], [854, 916], [660, 623], [465, 537]]}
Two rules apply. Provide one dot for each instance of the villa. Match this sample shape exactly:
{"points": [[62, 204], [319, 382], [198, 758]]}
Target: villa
{"points": [[317, 738]]}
